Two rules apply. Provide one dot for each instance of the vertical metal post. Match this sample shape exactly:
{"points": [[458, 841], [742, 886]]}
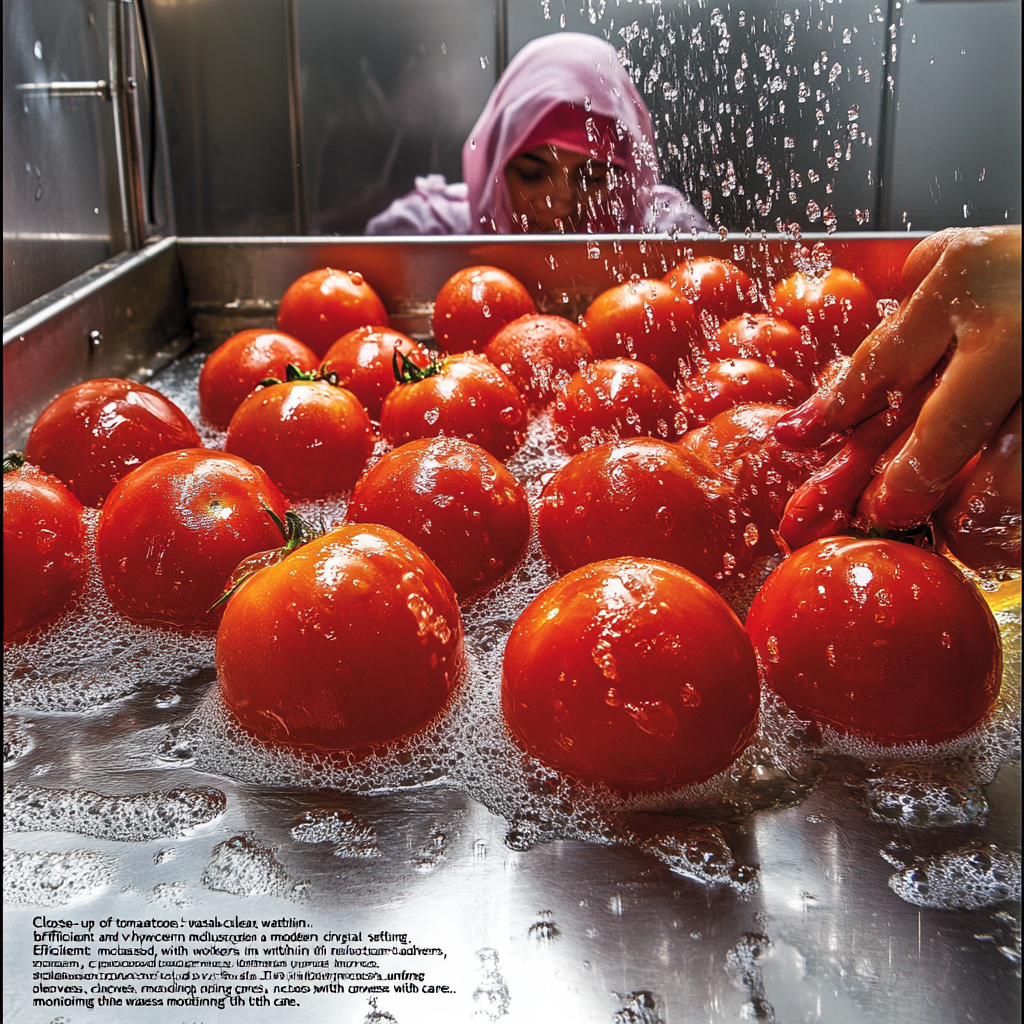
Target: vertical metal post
{"points": [[885, 127], [501, 12], [127, 128], [295, 115]]}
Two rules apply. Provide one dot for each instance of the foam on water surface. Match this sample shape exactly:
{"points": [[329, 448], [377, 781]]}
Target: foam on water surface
{"points": [[92, 656]]}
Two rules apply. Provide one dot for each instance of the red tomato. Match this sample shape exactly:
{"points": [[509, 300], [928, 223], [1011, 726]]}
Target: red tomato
{"points": [[354, 638], [838, 308], [474, 304], [641, 497], [363, 361], [631, 672], [234, 370], [716, 287], [877, 638], [644, 320], [459, 504], [93, 434], [739, 382], [459, 396], [310, 437], [615, 398], [172, 532], [324, 304], [760, 472], [769, 339], [539, 353], [45, 563]]}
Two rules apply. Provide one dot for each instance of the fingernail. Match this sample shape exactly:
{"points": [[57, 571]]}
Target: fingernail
{"points": [[804, 427]]}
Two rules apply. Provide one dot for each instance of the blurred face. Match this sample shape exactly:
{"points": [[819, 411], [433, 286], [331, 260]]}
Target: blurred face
{"points": [[552, 187]]}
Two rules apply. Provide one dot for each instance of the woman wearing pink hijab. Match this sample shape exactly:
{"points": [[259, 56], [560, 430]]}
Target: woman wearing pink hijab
{"points": [[565, 144]]}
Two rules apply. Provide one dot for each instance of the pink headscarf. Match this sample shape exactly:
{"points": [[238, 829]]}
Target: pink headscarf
{"points": [[547, 85]]}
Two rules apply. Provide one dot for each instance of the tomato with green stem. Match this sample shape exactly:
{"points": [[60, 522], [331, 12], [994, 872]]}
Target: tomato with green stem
{"points": [[352, 639]]}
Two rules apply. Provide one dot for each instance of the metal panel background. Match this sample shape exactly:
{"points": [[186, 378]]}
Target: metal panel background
{"points": [[224, 72], [58, 152], [390, 90], [955, 150]]}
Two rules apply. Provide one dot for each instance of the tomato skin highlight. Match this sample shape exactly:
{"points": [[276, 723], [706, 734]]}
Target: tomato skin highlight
{"points": [[771, 340], [352, 639], [172, 532], [615, 398], [468, 398], [539, 354], [646, 498], [45, 561], [95, 433], [324, 304], [877, 638], [646, 321], [631, 672], [716, 287], [363, 361], [455, 501], [474, 304], [233, 370], [737, 382], [839, 309], [310, 437]]}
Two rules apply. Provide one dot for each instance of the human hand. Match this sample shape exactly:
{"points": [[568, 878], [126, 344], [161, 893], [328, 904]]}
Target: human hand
{"points": [[962, 284]]}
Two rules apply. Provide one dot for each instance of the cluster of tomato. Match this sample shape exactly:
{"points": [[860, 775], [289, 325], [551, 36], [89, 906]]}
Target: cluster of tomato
{"points": [[631, 669]]}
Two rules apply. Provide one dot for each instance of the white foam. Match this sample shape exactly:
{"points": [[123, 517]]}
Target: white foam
{"points": [[51, 879]]}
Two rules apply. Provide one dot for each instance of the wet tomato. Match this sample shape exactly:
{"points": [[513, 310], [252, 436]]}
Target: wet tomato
{"points": [[363, 361], [172, 532], [453, 499], [476, 303], [641, 497], [354, 638], [760, 472], [615, 398], [769, 339], [310, 437], [539, 353], [877, 638], [93, 434], [458, 396], [643, 320], [839, 309], [715, 287], [45, 561], [631, 672], [233, 370], [324, 304], [738, 382]]}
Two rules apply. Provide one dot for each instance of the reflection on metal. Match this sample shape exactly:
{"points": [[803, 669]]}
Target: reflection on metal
{"points": [[59, 90], [295, 115], [128, 129]]}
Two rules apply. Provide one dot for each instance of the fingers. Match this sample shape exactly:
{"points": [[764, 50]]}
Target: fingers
{"points": [[979, 388], [924, 256], [888, 365]]}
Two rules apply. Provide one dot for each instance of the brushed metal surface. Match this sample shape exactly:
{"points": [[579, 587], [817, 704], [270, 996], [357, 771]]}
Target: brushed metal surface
{"points": [[134, 304]]}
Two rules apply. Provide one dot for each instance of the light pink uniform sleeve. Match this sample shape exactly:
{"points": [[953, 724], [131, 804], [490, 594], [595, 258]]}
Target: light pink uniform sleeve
{"points": [[670, 211], [433, 207]]}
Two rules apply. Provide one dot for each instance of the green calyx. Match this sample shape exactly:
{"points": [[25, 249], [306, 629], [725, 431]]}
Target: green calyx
{"points": [[295, 530], [407, 372], [293, 373], [13, 461]]}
